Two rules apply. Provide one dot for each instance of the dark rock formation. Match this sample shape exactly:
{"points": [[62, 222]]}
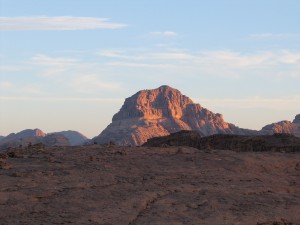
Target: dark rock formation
{"points": [[241, 143], [297, 119]]}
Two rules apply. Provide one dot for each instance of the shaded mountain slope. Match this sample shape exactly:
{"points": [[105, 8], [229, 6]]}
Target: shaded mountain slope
{"points": [[74, 137]]}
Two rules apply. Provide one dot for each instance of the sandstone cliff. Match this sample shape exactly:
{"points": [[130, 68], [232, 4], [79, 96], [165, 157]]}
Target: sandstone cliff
{"points": [[159, 112]]}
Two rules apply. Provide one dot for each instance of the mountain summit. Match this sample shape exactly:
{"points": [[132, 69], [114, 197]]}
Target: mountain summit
{"points": [[159, 112]]}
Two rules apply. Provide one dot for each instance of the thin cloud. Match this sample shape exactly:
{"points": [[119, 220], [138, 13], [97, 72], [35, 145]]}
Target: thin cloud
{"points": [[57, 23], [53, 66], [118, 54], [53, 61], [235, 59], [265, 36], [226, 63], [10, 68], [140, 65], [8, 86], [171, 55], [90, 83], [163, 34], [63, 99], [253, 102]]}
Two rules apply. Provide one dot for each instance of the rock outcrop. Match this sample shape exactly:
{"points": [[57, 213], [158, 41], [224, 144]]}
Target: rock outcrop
{"points": [[285, 126], [240, 143], [159, 112]]}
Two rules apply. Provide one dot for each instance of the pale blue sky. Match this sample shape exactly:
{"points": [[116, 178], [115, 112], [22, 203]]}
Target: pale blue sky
{"points": [[69, 64]]}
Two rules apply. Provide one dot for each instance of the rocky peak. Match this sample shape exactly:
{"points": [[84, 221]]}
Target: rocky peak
{"points": [[297, 119], [159, 112], [162, 102]]}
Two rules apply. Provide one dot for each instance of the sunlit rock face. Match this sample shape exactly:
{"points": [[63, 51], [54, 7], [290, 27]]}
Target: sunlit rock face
{"points": [[159, 112]]}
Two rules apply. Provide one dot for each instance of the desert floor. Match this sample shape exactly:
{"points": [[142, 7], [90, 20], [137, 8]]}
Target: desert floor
{"points": [[143, 185]]}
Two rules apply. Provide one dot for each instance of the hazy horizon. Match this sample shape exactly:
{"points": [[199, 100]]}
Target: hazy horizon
{"points": [[69, 65]]}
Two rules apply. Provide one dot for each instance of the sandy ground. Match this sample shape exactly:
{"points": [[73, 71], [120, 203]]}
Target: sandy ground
{"points": [[153, 186]]}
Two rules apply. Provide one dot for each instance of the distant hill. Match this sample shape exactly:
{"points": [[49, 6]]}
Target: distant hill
{"points": [[33, 136], [26, 133], [74, 137], [285, 126]]}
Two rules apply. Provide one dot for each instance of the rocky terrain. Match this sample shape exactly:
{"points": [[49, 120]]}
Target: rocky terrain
{"points": [[107, 185], [34, 136], [159, 112], [277, 142]]}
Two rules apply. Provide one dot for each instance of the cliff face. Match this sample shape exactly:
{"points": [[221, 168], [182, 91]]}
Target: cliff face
{"points": [[159, 112]]}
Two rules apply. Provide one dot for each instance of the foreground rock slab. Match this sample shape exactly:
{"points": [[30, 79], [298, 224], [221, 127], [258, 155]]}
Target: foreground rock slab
{"points": [[176, 185]]}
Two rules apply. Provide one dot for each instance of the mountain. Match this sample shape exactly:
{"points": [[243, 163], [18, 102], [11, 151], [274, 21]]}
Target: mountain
{"points": [[74, 137], [33, 136], [159, 112], [1, 137], [284, 126]]}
